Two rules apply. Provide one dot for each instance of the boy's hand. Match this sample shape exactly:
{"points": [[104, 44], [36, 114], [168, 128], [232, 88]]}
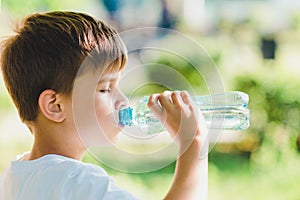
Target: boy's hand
{"points": [[186, 125], [179, 114]]}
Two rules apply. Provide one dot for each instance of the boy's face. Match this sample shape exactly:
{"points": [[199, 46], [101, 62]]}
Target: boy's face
{"points": [[96, 114], [108, 101]]}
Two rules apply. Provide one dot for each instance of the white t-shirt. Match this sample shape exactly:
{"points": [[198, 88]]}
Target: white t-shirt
{"points": [[58, 177]]}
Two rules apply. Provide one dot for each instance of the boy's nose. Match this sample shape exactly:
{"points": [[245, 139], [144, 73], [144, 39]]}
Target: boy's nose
{"points": [[121, 100]]}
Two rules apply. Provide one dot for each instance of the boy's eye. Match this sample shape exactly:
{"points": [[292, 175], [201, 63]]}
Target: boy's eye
{"points": [[105, 91]]}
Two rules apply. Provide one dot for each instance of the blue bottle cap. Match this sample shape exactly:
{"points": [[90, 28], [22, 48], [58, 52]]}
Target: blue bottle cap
{"points": [[125, 116]]}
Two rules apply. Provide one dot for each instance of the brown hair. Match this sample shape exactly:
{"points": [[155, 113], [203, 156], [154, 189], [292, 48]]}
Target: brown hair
{"points": [[47, 52]]}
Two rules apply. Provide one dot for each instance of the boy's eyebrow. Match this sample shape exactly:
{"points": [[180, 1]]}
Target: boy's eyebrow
{"points": [[108, 79]]}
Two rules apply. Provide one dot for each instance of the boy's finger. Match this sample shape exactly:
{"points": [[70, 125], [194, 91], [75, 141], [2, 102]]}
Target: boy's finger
{"points": [[175, 96], [188, 100], [186, 97], [153, 99], [154, 106], [165, 100]]}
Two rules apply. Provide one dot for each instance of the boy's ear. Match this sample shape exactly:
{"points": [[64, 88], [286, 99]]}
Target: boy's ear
{"points": [[51, 106]]}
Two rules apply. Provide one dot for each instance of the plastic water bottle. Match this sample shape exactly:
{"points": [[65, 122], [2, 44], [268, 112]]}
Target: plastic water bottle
{"points": [[227, 111]]}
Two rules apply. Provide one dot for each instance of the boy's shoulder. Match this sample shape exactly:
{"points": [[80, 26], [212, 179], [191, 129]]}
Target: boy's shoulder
{"points": [[72, 167], [58, 169], [63, 177], [57, 164]]}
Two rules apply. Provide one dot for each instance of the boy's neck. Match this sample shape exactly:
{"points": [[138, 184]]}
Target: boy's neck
{"points": [[51, 138], [41, 149]]}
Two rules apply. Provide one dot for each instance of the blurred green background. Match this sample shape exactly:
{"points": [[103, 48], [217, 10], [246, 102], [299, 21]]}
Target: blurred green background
{"points": [[256, 47]]}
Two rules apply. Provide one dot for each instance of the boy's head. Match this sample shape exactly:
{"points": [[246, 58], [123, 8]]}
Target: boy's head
{"points": [[47, 52]]}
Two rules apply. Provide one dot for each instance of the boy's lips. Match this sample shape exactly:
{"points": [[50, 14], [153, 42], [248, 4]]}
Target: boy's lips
{"points": [[120, 125]]}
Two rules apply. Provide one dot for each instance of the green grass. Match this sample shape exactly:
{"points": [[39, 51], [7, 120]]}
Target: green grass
{"points": [[231, 176], [249, 180]]}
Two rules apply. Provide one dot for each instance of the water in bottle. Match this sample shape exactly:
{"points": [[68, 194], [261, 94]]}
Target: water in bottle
{"points": [[227, 111]]}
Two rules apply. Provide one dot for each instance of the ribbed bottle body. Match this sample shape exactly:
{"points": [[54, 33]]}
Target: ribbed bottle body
{"points": [[226, 111]]}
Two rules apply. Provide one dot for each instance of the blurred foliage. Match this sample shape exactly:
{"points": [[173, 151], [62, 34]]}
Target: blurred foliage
{"points": [[184, 77], [268, 153], [19, 9], [275, 114], [6, 103]]}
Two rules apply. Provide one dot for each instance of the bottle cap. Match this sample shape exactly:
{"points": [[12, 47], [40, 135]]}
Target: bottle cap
{"points": [[125, 116]]}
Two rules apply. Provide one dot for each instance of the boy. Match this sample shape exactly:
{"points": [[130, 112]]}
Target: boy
{"points": [[41, 64]]}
